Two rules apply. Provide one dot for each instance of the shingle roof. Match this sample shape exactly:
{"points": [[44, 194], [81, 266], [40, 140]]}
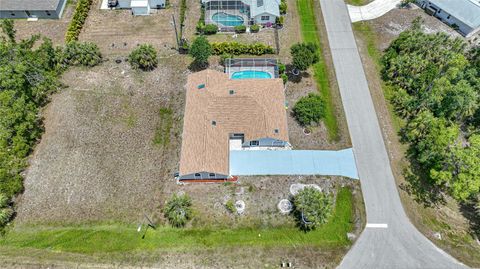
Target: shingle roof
{"points": [[256, 109], [258, 7], [29, 4], [467, 11]]}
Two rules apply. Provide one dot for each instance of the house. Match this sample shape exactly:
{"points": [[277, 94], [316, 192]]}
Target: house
{"points": [[230, 13], [463, 15], [223, 114], [23, 9], [138, 7]]}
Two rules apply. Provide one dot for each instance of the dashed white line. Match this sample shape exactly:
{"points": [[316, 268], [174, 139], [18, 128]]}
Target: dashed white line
{"points": [[377, 225]]}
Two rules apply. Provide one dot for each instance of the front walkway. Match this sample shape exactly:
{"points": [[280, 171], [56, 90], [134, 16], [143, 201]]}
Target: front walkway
{"points": [[372, 10], [293, 162]]}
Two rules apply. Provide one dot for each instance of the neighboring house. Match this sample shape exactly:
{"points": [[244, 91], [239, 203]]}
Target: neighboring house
{"points": [[463, 15], [231, 13], [138, 7], [22, 9], [223, 114]]}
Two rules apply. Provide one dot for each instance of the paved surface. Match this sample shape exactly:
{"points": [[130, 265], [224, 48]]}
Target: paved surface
{"points": [[372, 10], [293, 162], [389, 240]]}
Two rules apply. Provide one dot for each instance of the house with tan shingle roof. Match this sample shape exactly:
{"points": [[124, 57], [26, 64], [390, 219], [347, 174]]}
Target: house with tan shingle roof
{"points": [[222, 114]]}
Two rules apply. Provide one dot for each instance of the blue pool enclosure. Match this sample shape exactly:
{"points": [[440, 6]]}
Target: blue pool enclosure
{"points": [[250, 74], [226, 19]]}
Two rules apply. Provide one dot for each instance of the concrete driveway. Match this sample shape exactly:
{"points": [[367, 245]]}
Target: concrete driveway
{"points": [[389, 239], [372, 10]]}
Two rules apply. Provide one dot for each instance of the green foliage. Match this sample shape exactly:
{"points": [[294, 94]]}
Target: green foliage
{"points": [[312, 208], [6, 212], [224, 57], [210, 29], [78, 19], [255, 28], [200, 27], [309, 109], [183, 9], [143, 57], [281, 68], [304, 55], [280, 20], [82, 53], [240, 29], [8, 29], [436, 90], [236, 48], [230, 206], [178, 210], [283, 7], [200, 50], [284, 78]]}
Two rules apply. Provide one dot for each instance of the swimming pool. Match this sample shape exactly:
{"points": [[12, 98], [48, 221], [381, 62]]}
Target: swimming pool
{"points": [[246, 74], [227, 19]]}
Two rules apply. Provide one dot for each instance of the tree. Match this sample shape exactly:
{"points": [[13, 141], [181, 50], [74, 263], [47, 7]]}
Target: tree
{"points": [[304, 55], [82, 53], [312, 208], [200, 50], [6, 212], [143, 57], [178, 210], [8, 29], [210, 29], [309, 109]]}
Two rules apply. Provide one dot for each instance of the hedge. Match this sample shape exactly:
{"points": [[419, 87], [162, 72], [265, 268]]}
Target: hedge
{"points": [[79, 17], [236, 48]]}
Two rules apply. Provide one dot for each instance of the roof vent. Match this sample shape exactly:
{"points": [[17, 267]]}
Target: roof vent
{"points": [[231, 92], [201, 86], [276, 131], [214, 123]]}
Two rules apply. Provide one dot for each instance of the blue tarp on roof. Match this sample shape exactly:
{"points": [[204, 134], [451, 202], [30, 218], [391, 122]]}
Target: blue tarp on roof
{"points": [[293, 162]]}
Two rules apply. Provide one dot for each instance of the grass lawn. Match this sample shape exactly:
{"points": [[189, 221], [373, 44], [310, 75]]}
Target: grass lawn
{"points": [[124, 238], [310, 33], [162, 132], [358, 2]]}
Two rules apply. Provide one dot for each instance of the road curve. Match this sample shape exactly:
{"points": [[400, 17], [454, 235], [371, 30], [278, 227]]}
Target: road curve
{"points": [[389, 240]]}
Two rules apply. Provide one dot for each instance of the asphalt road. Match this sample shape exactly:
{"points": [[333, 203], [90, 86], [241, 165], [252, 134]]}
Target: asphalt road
{"points": [[389, 240]]}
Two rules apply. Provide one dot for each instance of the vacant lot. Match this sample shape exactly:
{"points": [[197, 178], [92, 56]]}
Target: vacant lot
{"points": [[446, 219]]}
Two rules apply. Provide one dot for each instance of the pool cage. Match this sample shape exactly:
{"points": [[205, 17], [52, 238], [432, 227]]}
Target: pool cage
{"points": [[260, 65], [227, 14]]}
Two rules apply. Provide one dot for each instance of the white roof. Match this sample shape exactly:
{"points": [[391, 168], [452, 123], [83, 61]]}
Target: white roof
{"points": [[258, 7], [467, 11], [139, 3]]}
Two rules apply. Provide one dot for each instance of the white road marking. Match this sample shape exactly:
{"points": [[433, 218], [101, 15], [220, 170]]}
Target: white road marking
{"points": [[377, 225]]}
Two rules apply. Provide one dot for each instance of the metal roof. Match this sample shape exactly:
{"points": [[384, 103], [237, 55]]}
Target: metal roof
{"points": [[29, 4], [467, 11], [258, 7]]}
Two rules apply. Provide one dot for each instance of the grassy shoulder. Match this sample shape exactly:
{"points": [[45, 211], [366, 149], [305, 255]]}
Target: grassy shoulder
{"points": [[446, 219], [109, 238], [310, 33]]}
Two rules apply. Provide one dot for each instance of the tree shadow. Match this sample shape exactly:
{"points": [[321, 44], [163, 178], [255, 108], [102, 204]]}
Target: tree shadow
{"points": [[468, 211], [295, 78], [196, 67]]}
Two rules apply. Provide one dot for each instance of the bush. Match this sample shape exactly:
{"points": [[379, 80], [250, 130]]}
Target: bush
{"points": [[86, 54], [236, 48], [224, 57], [312, 208], [255, 28], [200, 50], [143, 57], [200, 27], [79, 17], [178, 210], [240, 29], [284, 78], [6, 212], [309, 109], [210, 29], [230, 206], [281, 68], [280, 20], [304, 55], [283, 7]]}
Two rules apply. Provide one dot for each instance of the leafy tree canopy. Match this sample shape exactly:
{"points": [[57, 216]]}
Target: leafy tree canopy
{"points": [[200, 50], [312, 208], [309, 109], [304, 55], [143, 57], [178, 210]]}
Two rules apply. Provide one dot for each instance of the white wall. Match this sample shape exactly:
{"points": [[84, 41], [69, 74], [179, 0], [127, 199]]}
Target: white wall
{"points": [[155, 3], [258, 18]]}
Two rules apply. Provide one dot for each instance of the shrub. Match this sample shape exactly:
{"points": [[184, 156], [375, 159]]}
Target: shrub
{"points": [[255, 28], [284, 78], [200, 27], [210, 29], [79, 17], [200, 50], [236, 48], [86, 54], [143, 57], [6, 212], [224, 57], [230, 206], [283, 7], [309, 109], [281, 68], [312, 208], [304, 55], [240, 29], [178, 210], [280, 20]]}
